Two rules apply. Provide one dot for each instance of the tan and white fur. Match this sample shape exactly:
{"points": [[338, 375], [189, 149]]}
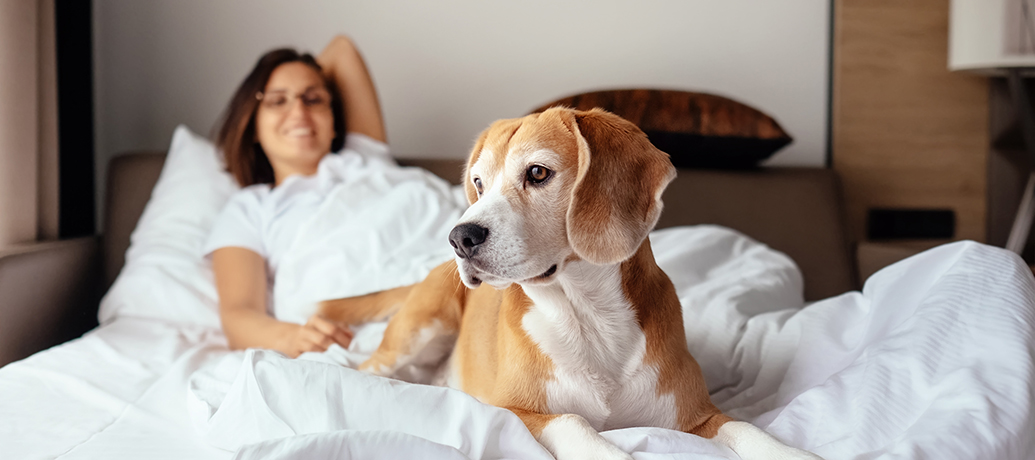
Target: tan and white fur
{"points": [[554, 305]]}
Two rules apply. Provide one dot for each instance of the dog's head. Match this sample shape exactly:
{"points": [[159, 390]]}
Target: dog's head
{"points": [[555, 187]]}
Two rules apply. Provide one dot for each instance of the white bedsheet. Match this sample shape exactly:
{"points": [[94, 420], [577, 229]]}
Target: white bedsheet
{"points": [[933, 359], [117, 392]]}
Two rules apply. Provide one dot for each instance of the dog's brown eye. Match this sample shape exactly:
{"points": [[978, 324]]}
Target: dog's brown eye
{"points": [[537, 174], [478, 185]]}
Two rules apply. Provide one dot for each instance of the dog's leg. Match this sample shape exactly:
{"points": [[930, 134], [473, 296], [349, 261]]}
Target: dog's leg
{"points": [[747, 440], [683, 378], [569, 436], [751, 443], [376, 306], [430, 313]]}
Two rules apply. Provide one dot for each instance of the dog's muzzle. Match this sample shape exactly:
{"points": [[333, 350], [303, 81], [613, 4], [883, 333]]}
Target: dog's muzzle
{"points": [[465, 239]]}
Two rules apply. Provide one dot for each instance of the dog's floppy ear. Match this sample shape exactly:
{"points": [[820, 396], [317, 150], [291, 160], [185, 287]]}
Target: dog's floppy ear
{"points": [[616, 200]]}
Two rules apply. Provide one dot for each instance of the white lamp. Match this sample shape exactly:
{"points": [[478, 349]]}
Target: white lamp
{"points": [[990, 36], [997, 37]]}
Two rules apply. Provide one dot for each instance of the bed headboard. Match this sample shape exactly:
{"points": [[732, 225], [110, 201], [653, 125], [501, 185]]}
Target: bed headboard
{"points": [[794, 210]]}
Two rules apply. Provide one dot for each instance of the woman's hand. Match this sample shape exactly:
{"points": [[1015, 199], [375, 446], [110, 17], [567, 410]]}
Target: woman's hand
{"points": [[317, 334], [241, 282], [342, 63], [339, 48]]}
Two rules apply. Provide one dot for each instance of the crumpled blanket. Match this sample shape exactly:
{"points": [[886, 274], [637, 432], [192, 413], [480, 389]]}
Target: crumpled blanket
{"points": [[933, 359]]}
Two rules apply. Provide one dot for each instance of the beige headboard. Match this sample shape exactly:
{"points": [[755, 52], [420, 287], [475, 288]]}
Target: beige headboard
{"points": [[794, 210]]}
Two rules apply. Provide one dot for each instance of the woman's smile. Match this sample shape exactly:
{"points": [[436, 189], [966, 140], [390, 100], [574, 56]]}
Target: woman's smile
{"points": [[294, 122]]}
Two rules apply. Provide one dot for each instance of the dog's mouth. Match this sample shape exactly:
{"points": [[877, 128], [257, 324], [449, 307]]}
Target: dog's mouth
{"points": [[545, 276], [473, 276]]}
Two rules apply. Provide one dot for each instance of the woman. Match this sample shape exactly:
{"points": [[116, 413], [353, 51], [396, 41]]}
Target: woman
{"points": [[284, 119]]}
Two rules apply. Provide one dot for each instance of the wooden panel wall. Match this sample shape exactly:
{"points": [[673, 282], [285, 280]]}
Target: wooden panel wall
{"points": [[907, 133]]}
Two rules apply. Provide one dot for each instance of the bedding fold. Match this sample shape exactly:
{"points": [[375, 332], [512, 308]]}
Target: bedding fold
{"points": [[275, 397], [931, 360]]}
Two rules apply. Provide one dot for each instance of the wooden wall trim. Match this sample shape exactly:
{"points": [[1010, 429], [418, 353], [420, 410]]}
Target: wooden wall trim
{"points": [[907, 132]]}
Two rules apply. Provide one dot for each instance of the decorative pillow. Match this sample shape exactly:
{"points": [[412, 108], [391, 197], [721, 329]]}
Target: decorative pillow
{"points": [[697, 130], [166, 276]]}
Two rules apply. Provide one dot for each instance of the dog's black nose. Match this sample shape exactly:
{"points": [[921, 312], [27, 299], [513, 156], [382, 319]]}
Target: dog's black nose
{"points": [[466, 237]]}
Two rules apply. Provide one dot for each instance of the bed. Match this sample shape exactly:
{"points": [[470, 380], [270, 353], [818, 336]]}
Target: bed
{"points": [[932, 358]]}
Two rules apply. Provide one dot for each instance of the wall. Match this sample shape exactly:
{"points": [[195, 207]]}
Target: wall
{"points": [[446, 69], [48, 181], [907, 132]]}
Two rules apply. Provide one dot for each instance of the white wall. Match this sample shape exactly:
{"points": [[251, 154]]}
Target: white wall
{"points": [[445, 69]]}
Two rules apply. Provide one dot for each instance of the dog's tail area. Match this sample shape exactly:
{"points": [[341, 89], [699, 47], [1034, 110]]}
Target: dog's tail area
{"points": [[377, 306]]}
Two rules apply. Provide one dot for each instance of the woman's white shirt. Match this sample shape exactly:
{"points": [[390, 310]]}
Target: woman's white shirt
{"points": [[360, 224], [267, 219]]}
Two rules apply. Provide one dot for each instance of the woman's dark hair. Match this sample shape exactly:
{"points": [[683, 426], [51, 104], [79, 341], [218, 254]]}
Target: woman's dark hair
{"points": [[245, 159]]}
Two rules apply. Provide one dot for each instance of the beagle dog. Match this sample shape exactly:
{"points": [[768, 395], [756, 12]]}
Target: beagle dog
{"points": [[554, 306]]}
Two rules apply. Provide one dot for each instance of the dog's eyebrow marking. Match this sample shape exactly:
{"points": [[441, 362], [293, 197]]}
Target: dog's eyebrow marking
{"points": [[518, 163], [486, 162], [483, 156], [504, 142], [542, 156], [513, 132]]}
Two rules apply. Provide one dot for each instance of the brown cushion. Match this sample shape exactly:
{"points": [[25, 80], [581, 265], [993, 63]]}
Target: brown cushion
{"points": [[697, 130]]}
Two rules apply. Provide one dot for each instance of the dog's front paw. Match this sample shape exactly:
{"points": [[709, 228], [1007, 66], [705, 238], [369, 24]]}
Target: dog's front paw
{"points": [[798, 454], [752, 443], [374, 366], [592, 451], [790, 453], [570, 437]]}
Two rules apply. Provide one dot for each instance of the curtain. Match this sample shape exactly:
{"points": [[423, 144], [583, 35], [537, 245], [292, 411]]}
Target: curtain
{"points": [[27, 106]]}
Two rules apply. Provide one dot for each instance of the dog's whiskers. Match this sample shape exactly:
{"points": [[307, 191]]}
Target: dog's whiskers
{"points": [[456, 270]]}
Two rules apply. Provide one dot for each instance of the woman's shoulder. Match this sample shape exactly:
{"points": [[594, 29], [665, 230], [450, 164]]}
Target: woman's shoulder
{"points": [[365, 145], [360, 153], [252, 195]]}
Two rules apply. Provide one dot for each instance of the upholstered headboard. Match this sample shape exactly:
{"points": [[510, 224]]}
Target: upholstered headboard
{"points": [[794, 210]]}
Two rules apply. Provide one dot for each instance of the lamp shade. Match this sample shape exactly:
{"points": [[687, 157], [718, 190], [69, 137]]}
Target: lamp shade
{"points": [[990, 36]]}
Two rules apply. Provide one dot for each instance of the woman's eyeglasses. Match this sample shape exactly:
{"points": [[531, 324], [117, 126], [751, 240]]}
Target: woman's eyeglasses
{"points": [[280, 100]]}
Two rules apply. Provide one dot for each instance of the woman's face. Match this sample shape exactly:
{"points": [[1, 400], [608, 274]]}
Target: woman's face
{"points": [[294, 123]]}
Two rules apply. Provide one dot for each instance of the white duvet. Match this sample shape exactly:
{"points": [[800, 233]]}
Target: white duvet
{"points": [[933, 359]]}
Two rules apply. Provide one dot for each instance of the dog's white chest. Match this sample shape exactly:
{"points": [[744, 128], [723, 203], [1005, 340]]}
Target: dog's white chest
{"points": [[588, 329]]}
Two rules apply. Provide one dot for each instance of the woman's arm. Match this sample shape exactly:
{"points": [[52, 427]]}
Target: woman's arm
{"points": [[342, 62], [241, 282]]}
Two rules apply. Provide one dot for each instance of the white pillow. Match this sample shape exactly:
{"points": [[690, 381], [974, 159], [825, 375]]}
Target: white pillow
{"points": [[166, 276]]}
